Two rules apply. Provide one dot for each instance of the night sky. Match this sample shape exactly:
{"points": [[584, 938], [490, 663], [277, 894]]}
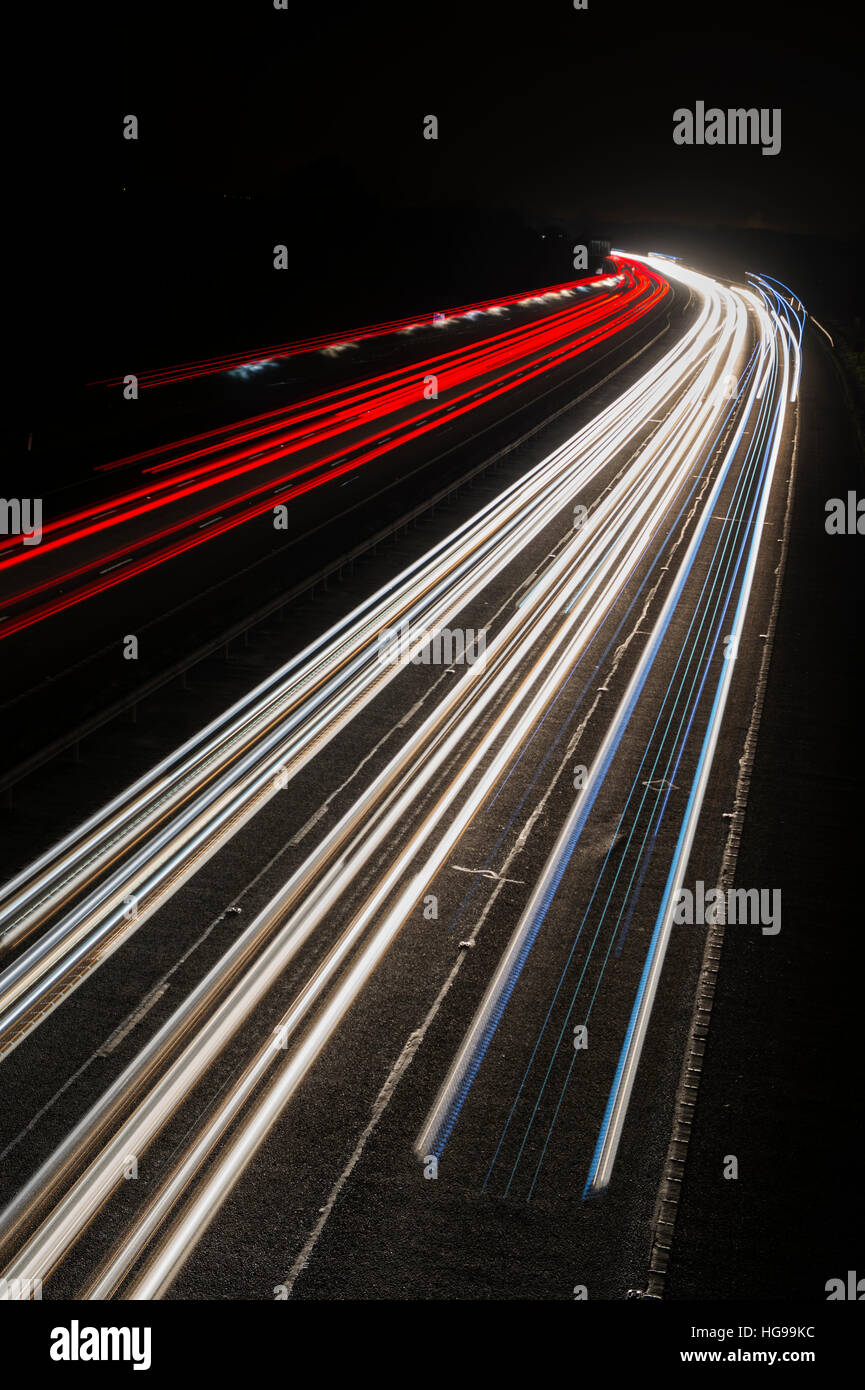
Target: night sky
{"points": [[305, 126], [555, 112]]}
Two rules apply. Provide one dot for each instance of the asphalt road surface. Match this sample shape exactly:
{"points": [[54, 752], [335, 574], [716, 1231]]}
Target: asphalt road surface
{"points": [[379, 986]]}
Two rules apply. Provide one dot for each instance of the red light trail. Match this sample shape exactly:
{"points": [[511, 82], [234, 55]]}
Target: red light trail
{"points": [[468, 377], [210, 366]]}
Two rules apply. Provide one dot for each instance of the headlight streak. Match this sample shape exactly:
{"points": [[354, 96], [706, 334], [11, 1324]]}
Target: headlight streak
{"points": [[454, 1090], [618, 539], [268, 969], [480, 549], [161, 1269], [607, 1145], [577, 704], [822, 329], [639, 403], [713, 629], [336, 677], [766, 289], [642, 778]]}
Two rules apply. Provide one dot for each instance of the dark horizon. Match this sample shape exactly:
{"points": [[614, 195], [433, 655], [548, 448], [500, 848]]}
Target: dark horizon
{"points": [[415, 598], [305, 128]]}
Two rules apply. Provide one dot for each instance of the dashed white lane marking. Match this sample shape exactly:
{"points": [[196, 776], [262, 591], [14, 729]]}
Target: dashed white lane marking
{"points": [[116, 1038], [414, 1040], [427, 696], [400, 1066], [138, 1012], [486, 873]]}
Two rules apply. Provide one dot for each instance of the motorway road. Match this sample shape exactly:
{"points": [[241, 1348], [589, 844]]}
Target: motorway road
{"points": [[786, 1024], [66, 663], [211, 483], [394, 987]]}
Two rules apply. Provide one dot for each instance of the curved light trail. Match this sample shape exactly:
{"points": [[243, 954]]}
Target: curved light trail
{"points": [[406, 823]]}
